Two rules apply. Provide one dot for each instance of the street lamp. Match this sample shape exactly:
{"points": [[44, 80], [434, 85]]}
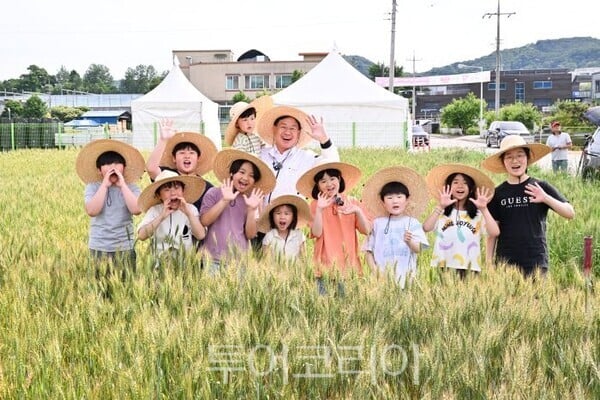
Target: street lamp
{"points": [[463, 66]]}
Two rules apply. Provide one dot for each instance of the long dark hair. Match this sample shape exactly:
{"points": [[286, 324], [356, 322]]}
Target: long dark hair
{"points": [[237, 165], [336, 173], [294, 218], [469, 206]]}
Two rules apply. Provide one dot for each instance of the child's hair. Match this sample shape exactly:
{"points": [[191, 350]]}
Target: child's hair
{"points": [[185, 146], [169, 185], [237, 164], [336, 173], [248, 112], [294, 218], [469, 206], [393, 188], [110, 157]]}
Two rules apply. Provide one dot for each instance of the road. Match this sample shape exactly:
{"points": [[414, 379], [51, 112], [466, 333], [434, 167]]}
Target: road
{"points": [[475, 143]]}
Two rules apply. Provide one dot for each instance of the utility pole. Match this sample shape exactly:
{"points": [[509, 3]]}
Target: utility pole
{"points": [[498, 14], [393, 44], [414, 91]]}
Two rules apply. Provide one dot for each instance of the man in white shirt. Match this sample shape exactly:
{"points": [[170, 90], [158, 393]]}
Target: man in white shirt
{"points": [[560, 142]]}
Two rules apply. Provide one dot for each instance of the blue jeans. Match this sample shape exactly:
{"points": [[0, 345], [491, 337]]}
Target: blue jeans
{"points": [[558, 165], [322, 285]]}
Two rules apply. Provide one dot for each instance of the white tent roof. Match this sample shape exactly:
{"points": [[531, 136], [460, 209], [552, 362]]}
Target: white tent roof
{"points": [[177, 99], [356, 111]]}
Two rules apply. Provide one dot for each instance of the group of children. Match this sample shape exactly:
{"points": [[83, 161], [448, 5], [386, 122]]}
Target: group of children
{"points": [[184, 213]]}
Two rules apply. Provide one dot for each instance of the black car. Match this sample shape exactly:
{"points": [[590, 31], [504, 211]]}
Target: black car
{"points": [[500, 129]]}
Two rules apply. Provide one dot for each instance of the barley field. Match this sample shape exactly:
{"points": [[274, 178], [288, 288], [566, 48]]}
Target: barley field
{"points": [[266, 333]]}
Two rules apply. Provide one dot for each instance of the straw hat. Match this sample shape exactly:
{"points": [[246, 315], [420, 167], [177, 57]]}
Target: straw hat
{"points": [[415, 183], [194, 187], [436, 178], [208, 151], [85, 165], [266, 124], [296, 201], [536, 151], [226, 157], [306, 182], [260, 105]]}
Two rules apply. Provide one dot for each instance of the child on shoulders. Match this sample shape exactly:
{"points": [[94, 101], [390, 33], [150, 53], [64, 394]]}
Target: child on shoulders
{"points": [[240, 132]]}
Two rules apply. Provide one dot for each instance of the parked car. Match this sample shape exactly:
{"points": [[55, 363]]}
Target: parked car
{"points": [[498, 130]]}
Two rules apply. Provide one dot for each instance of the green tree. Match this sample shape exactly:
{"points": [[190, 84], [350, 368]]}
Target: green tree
{"points": [[37, 80], [526, 113], [569, 113], [97, 79], [240, 96], [297, 74], [35, 108], [16, 109], [461, 113], [65, 114], [379, 70], [139, 79]]}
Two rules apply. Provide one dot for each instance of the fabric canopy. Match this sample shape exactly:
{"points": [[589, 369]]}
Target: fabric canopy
{"points": [[177, 99], [356, 111]]}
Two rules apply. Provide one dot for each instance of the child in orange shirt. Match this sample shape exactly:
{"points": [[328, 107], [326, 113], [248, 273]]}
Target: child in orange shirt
{"points": [[336, 218]]}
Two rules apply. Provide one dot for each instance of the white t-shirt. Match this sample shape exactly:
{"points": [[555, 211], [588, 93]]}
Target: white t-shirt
{"points": [[174, 232], [560, 140], [289, 247]]}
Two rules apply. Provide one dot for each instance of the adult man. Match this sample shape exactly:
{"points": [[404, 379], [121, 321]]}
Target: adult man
{"points": [[560, 142], [288, 130]]}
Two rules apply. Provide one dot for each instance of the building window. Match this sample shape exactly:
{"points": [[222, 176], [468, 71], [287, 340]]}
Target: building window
{"points": [[257, 82], [519, 92], [283, 81], [542, 84], [232, 82], [492, 86], [540, 103]]}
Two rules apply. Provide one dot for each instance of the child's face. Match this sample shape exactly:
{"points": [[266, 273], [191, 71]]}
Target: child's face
{"points": [[395, 203], [283, 216], [243, 180], [109, 168], [186, 161], [247, 124], [329, 185], [515, 162], [459, 189], [171, 192]]}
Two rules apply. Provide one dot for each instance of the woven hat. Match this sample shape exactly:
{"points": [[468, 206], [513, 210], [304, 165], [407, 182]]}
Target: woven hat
{"points": [[415, 183], [436, 178], [536, 151], [226, 157], [194, 187], [85, 165], [266, 124], [208, 151], [350, 173], [301, 207], [260, 105]]}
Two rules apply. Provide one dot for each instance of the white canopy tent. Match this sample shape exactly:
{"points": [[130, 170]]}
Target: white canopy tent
{"points": [[175, 98], [356, 111]]}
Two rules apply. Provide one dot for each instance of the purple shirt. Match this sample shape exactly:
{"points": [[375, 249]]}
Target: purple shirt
{"points": [[228, 230]]}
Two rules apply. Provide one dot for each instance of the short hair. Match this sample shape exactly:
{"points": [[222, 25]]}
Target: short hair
{"points": [[393, 188], [287, 116], [110, 157], [236, 165], [185, 146], [294, 217], [336, 173], [469, 206], [169, 184], [248, 112]]}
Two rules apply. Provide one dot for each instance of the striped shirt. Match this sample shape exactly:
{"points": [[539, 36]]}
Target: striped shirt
{"points": [[250, 143]]}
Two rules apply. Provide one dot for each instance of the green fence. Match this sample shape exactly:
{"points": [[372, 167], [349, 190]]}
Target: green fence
{"points": [[28, 135]]}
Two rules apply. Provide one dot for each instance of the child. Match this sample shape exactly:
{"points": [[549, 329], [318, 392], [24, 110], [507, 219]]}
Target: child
{"points": [[240, 132], [396, 196], [170, 218], [520, 206], [110, 168], [336, 218], [280, 221], [460, 217], [230, 218]]}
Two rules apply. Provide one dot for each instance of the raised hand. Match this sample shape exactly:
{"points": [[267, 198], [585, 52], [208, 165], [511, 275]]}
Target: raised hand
{"points": [[317, 129], [407, 236], [227, 190], [484, 195], [324, 201], [166, 128], [446, 197], [535, 191], [255, 199]]}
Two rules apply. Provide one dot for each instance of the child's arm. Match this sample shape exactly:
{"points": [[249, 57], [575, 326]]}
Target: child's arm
{"points": [[445, 200], [166, 132], [484, 196], [212, 214], [316, 229], [94, 206], [191, 212], [129, 197], [371, 261], [490, 247], [252, 203], [362, 222], [538, 195], [413, 245], [147, 230]]}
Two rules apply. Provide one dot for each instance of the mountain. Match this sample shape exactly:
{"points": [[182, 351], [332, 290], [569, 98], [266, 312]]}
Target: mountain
{"points": [[360, 63]]}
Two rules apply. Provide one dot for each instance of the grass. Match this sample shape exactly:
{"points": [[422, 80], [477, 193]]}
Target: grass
{"points": [[174, 334]]}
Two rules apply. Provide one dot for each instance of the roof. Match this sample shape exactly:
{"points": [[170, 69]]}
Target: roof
{"points": [[107, 113]]}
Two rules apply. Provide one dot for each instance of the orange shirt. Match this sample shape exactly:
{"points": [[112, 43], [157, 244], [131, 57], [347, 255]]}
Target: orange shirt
{"points": [[337, 247]]}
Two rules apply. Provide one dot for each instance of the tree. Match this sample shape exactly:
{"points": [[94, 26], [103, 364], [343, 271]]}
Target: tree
{"points": [[16, 109], [569, 113], [240, 96], [379, 70], [139, 79], [461, 113], [35, 108], [37, 80], [297, 74], [65, 114], [97, 79], [526, 113]]}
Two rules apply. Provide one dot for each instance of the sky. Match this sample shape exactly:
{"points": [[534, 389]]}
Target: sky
{"points": [[123, 34]]}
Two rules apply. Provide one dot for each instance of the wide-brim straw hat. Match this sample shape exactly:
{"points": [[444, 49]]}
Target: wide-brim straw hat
{"points": [[260, 105], [414, 182], [302, 209], [266, 124], [350, 173], [207, 148], [536, 151], [194, 187], [226, 157], [85, 164], [436, 178]]}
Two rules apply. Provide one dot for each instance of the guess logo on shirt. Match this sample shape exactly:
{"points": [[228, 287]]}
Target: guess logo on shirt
{"points": [[517, 201]]}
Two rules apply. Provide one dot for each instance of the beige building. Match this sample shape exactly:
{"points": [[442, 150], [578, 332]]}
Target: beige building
{"points": [[219, 76]]}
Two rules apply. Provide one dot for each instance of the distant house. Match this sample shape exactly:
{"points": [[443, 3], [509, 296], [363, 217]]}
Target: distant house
{"points": [[119, 120]]}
